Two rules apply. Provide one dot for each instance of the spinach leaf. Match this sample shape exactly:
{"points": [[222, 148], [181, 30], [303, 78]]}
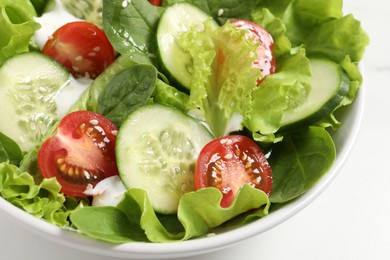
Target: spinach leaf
{"points": [[127, 91], [9, 150], [132, 29], [299, 161]]}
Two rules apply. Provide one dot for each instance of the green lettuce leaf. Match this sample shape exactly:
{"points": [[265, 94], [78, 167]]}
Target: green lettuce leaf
{"points": [[199, 212], [223, 77], [16, 26], [168, 95], [280, 91], [41, 200]]}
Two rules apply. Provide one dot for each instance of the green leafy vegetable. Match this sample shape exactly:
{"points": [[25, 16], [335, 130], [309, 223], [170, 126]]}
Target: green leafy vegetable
{"points": [[43, 200], [9, 150], [285, 89], [131, 30], [89, 100], [198, 213], [299, 162], [222, 10], [223, 77], [168, 95], [16, 26], [126, 92]]}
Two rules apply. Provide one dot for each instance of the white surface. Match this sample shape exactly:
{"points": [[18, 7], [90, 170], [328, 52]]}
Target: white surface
{"points": [[350, 220]]}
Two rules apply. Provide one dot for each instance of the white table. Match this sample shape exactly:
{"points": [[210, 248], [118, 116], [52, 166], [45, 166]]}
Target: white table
{"points": [[350, 220]]}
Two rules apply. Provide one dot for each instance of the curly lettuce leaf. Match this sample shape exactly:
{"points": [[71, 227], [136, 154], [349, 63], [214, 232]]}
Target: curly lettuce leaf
{"points": [[199, 212], [42, 200], [223, 76], [278, 92], [17, 26]]}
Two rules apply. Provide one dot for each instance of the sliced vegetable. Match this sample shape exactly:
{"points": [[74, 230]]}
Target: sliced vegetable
{"points": [[80, 152], [28, 85], [329, 85], [81, 47], [157, 148], [155, 2], [88, 10], [176, 61], [229, 162]]}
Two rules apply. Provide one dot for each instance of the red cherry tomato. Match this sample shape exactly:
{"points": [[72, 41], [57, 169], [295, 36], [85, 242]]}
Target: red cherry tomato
{"points": [[80, 152], [266, 61], [81, 47], [155, 2], [228, 163]]}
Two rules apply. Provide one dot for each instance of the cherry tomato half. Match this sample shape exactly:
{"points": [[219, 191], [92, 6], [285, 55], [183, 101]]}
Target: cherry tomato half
{"points": [[81, 47], [155, 2], [228, 163], [266, 61], [80, 152]]}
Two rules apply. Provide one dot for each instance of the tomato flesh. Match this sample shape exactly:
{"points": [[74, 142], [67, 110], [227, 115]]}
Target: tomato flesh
{"points": [[155, 2], [81, 47], [228, 163], [266, 61], [80, 152]]}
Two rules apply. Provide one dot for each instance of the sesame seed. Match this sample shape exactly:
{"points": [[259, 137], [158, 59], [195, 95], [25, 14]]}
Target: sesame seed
{"points": [[228, 156], [79, 58], [94, 121]]}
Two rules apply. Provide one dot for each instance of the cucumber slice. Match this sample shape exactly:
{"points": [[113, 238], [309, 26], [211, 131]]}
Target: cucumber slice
{"points": [[157, 148], [176, 19], [87, 10], [329, 85], [28, 85]]}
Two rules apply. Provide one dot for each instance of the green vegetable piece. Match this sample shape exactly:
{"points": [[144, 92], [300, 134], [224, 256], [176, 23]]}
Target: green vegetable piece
{"points": [[108, 224], [199, 212], [43, 200], [16, 26], [126, 92], [223, 77], [89, 100], [131, 29], [299, 161], [169, 95], [9, 150], [337, 39], [87, 10]]}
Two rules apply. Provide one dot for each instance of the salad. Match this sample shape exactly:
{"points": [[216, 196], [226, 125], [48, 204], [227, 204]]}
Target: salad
{"points": [[161, 121]]}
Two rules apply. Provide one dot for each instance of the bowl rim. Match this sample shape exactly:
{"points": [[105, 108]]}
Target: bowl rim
{"points": [[197, 246]]}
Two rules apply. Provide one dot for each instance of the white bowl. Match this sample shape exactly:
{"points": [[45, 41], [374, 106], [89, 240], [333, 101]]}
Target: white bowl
{"points": [[344, 139]]}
